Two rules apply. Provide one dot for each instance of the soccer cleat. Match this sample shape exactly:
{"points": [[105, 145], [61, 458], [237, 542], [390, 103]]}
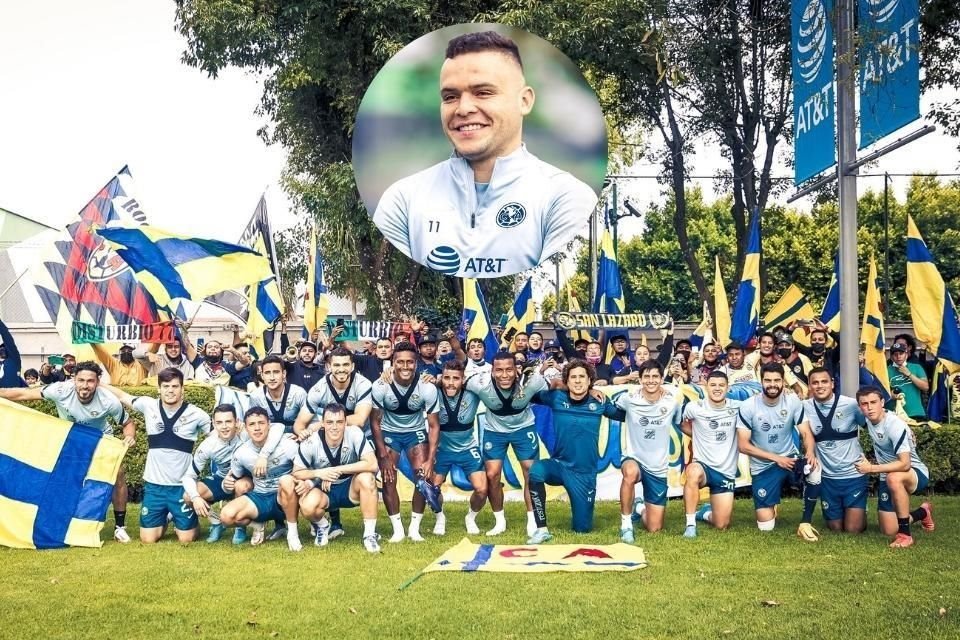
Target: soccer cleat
{"points": [[336, 530], [690, 531], [414, 536], [216, 532], [322, 536], [497, 529], [902, 541], [703, 511], [471, 525], [120, 535], [259, 535], [540, 536], [370, 544], [398, 536], [294, 544], [239, 535], [277, 534], [430, 492], [626, 535], [638, 507], [807, 532], [927, 522]]}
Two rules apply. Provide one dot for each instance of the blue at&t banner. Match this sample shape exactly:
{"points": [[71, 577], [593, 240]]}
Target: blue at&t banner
{"points": [[813, 94], [889, 67]]}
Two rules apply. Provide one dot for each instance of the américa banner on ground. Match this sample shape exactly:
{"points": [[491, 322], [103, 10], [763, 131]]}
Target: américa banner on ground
{"points": [[155, 333], [518, 558]]}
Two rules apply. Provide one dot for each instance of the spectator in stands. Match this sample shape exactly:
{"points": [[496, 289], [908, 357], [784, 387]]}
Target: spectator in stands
{"points": [[125, 370], [909, 379], [10, 361], [32, 377]]}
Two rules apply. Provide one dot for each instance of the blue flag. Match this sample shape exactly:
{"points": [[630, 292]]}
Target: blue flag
{"points": [[746, 309], [813, 94]]}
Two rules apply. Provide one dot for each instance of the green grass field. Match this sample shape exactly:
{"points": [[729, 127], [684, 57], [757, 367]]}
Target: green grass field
{"points": [[712, 587]]}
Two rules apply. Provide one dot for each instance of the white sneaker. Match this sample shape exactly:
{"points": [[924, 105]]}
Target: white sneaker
{"points": [[370, 544], [294, 544], [259, 535], [497, 529], [398, 536], [472, 527], [415, 536], [120, 535], [440, 529]]}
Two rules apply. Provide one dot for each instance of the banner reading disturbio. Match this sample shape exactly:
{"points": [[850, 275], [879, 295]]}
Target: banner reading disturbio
{"points": [[156, 333], [889, 34], [813, 94]]}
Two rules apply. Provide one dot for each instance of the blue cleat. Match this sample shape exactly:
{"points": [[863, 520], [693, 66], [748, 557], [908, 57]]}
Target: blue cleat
{"points": [[638, 507], [540, 536], [703, 511], [336, 530], [430, 492], [239, 535], [626, 535], [216, 532], [690, 531]]}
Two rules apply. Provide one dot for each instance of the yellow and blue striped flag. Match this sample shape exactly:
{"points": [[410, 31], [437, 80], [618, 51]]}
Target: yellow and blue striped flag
{"points": [[931, 308], [523, 312], [871, 332], [171, 266], [792, 305], [316, 300], [830, 314], [746, 310], [475, 313], [56, 479], [721, 306], [609, 294], [573, 305]]}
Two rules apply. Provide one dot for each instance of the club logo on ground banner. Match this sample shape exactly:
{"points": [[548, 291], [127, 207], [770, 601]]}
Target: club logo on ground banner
{"points": [[444, 259], [510, 215], [882, 10], [812, 41]]}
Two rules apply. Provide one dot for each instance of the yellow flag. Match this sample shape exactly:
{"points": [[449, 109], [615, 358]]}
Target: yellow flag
{"points": [[722, 308]]}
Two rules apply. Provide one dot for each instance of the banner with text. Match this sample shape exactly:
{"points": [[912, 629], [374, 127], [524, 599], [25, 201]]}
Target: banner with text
{"points": [[159, 332], [575, 320], [889, 35], [813, 94]]}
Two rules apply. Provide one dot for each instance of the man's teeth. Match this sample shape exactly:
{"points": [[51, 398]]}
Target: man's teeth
{"points": [[470, 127]]}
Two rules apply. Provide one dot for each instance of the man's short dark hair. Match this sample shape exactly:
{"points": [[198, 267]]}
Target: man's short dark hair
{"points": [[716, 373], [87, 365], [273, 359], [453, 365], [735, 345], [483, 41], [772, 367], [823, 331], [650, 365], [334, 408], [169, 374], [225, 408], [256, 411], [402, 347], [819, 370], [341, 352], [504, 355], [479, 341], [863, 392]]}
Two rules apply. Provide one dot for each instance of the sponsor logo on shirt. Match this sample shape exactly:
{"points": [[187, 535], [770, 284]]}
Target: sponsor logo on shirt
{"points": [[444, 259], [721, 436], [765, 426], [650, 434], [643, 421]]}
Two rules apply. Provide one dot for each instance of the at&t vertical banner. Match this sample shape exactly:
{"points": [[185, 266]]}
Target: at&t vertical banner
{"points": [[813, 95], [889, 66]]}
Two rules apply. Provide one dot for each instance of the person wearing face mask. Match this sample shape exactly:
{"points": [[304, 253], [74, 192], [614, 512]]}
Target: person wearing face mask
{"points": [[793, 360], [125, 370], [10, 361], [818, 352]]}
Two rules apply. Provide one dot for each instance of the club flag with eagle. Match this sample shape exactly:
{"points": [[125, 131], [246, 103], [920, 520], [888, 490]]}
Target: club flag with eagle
{"points": [[171, 266], [722, 307], [746, 310], [830, 314], [316, 299], [475, 314], [523, 312], [871, 332], [931, 308], [82, 279]]}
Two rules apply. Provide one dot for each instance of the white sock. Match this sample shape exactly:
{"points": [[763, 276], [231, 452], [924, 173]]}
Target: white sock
{"points": [[258, 526], [531, 521], [708, 516], [397, 524], [691, 519], [415, 519], [472, 515], [214, 517], [767, 525], [441, 518], [626, 521], [369, 527], [499, 518], [292, 532]]}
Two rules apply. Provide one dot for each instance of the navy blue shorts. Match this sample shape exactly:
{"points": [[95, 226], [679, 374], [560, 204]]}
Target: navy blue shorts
{"points": [[654, 487], [839, 494], [885, 500], [267, 506], [469, 460], [159, 500], [403, 441], [716, 481], [768, 483], [525, 443], [339, 496], [581, 489], [215, 485]]}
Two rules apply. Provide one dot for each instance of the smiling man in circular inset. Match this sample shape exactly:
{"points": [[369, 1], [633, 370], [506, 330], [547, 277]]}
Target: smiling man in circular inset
{"points": [[493, 208]]}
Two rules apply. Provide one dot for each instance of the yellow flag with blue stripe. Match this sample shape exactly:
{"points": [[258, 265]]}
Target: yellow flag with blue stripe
{"points": [[830, 314], [871, 332], [931, 308], [721, 307], [475, 314], [523, 312], [746, 310], [171, 266], [316, 300], [56, 479]]}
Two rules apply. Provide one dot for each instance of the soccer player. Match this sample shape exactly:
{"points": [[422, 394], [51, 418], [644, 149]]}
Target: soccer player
{"points": [[765, 431], [492, 198], [458, 443], [652, 411], [173, 427], [902, 473], [335, 469], [577, 415], [262, 504], [510, 422], [82, 400], [282, 400], [835, 422], [404, 421], [216, 451], [711, 423]]}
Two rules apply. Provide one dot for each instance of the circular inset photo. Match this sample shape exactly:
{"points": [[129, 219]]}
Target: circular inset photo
{"points": [[480, 150]]}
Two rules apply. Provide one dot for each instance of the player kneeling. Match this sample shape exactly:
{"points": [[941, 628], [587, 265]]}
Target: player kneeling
{"points": [[334, 470], [260, 505]]}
